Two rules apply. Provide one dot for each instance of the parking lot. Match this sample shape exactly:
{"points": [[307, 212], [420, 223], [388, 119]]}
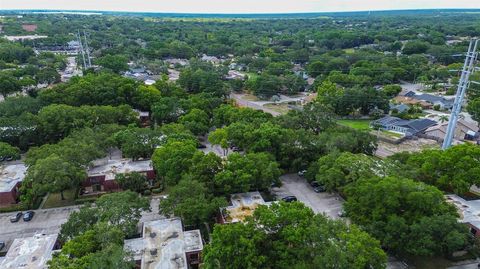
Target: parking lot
{"points": [[45, 221], [327, 203]]}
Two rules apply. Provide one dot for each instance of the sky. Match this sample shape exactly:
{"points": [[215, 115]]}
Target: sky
{"points": [[235, 6]]}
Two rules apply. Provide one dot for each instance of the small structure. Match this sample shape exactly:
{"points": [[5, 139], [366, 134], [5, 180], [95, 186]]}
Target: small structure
{"points": [[11, 177], [405, 127], [29, 27], [400, 108], [469, 212], [211, 59], [101, 177], [30, 252], [464, 130], [242, 206], [165, 245], [233, 74]]}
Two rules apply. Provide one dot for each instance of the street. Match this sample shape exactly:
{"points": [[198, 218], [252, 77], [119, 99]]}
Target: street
{"points": [[327, 203]]}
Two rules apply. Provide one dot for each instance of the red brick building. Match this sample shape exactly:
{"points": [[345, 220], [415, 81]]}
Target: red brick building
{"points": [[102, 176], [11, 177]]}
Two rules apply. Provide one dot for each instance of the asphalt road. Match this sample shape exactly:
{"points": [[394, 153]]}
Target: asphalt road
{"points": [[327, 203]]}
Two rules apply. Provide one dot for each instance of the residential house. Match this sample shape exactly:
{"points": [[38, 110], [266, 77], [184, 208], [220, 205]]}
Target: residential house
{"points": [[165, 245], [11, 177], [465, 130], [30, 252], [405, 127], [101, 176], [211, 59], [442, 102], [412, 102], [233, 74], [241, 206]]}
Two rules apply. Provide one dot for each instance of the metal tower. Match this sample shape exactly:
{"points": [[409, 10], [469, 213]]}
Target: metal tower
{"points": [[87, 49], [468, 68], [82, 51]]}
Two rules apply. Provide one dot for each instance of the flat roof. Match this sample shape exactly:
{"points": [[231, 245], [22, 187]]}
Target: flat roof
{"points": [[469, 210], [10, 175], [110, 168], [30, 252], [164, 244], [243, 205]]}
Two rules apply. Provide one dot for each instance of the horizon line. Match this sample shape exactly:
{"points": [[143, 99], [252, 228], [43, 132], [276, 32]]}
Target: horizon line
{"points": [[47, 10]]}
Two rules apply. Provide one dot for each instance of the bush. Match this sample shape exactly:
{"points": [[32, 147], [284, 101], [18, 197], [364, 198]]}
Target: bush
{"points": [[85, 200], [157, 190], [147, 192]]}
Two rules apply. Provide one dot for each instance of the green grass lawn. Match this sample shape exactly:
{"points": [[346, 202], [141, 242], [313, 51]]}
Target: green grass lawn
{"points": [[54, 199], [356, 124]]}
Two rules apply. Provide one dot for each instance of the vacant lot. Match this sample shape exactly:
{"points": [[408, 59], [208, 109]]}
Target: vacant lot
{"points": [[327, 203], [356, 124]]}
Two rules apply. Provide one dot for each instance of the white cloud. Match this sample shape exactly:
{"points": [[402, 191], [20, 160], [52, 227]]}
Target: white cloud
{"points": [[235, 6]]}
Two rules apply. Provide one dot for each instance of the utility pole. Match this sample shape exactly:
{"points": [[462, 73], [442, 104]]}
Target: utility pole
{"points": [[468, 68], [87, 49], [81, 49]]}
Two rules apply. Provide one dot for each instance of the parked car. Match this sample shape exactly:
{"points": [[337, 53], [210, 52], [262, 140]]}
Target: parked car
{"points": [[2, 244], [16, 217], [301, 173], [9, 158], [28, 216], [317, 187], [236, 149], [201, 146], [289, 199]]}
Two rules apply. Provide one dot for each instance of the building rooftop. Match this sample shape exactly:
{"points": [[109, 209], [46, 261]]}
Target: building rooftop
{"points": [[10, 175], [110, 168], [243, 205], [164, 245], [30, 252], [469, 210]]}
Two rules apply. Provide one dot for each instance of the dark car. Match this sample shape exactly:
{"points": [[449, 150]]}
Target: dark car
{"points": [[16, 217], [201, 146], [317, 187], [236, 149], [289, 199], [2, 244], [28, 216]]}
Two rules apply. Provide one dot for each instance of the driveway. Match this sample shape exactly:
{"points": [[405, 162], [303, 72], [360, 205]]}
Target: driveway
{"points": [[327, 203]]}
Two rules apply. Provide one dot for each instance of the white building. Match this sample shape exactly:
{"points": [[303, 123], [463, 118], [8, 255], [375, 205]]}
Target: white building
{"points": [[165, 245], [30, 252], [242, 206]]}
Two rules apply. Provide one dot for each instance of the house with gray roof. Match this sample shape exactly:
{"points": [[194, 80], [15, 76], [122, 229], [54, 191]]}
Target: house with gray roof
{"points": [[432, 99], [405, 127]]}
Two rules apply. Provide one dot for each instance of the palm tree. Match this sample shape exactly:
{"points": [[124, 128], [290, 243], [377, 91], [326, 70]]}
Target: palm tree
{"points": [[443, 118]]}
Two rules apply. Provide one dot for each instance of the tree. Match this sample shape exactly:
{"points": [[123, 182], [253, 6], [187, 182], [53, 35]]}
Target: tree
{"points": [[131, 181], [190, 200], [254, 171], [316, 68], [219, 137], [6, 150], [55, 175], [137, 142], [173, 159], [116, 63], [397, 210], [197, 121], [167, 110], [8, 85], [48, 75], [146, 96], [122, 209], [230, 242], [473, 108], [415, 47], [392, 90], [290, 235]]}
